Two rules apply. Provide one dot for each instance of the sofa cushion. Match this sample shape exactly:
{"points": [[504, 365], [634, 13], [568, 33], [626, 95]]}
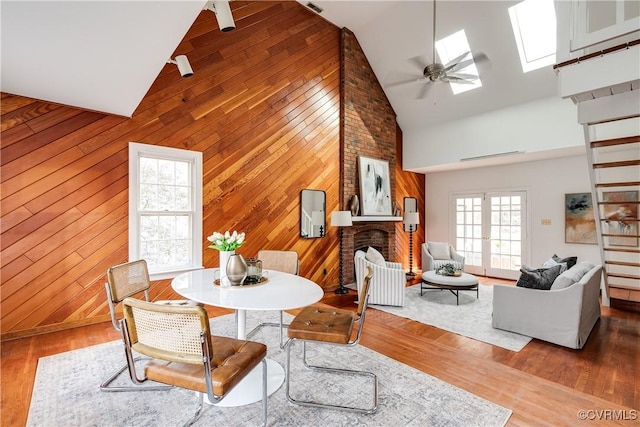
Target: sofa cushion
{"points": [[439, 250], [538, 278], [375, 257], [570, 260], [572, 275]]}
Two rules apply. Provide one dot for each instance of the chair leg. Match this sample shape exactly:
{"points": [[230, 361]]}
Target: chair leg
{"points": [[280, 326], [371, 375], [106, 385], [264, 392], [198, 411]]}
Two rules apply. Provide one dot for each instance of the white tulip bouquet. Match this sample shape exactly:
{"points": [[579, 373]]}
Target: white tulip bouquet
{"points": [[227, 241]]}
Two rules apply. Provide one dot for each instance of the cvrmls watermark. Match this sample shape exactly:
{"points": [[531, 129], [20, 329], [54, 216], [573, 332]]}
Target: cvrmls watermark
{"points": [[608, 414]]}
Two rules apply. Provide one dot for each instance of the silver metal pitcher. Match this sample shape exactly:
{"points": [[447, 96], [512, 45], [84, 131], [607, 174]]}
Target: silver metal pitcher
{"points": [[236, 269]]}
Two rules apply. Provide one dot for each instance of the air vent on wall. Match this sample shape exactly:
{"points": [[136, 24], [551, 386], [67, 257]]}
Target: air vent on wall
{"points": [[486, 156], [314, 7]]}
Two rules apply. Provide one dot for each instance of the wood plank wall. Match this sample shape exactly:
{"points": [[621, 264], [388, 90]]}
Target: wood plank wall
{"points": [[409, 184], [263, 107]]}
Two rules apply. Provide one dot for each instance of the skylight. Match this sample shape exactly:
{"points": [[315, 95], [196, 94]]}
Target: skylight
{"points": [[534, 27], [450, 48]]}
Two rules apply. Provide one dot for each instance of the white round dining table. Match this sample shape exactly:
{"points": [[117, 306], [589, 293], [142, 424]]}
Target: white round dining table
{"points": [[281, 291]]}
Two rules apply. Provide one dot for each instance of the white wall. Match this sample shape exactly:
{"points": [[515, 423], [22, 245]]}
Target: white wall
{"points": [[538, 126], [546, 182]]}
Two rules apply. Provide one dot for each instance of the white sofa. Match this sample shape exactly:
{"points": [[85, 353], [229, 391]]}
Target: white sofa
{"points": [[387, 284], [560, 316]]}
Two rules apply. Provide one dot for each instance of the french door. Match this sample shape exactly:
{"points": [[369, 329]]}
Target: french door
{"points": [[490, 231]]}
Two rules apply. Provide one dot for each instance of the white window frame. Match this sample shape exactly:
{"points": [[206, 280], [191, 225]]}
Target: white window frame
{"points": [[137, 150], [548, 29]]}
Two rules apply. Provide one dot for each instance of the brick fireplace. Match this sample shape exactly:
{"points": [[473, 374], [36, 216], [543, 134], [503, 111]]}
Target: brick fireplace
{"points": [[369, 129], [378, 234]]}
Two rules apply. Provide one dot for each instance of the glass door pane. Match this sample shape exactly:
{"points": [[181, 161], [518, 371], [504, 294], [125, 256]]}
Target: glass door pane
{"points": [[490, 232], [468, 241], [506, 233]]}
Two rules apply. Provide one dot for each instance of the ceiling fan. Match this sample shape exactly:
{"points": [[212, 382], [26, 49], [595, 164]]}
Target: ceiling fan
{"points": [[449, 72]]}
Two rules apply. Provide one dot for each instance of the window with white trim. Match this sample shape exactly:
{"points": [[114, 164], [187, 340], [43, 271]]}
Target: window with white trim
{"points": [[165, 208]]}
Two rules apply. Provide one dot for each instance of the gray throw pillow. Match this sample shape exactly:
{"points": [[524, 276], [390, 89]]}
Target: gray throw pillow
{"points": [[538, 278], [570, 260], [552, 263]]}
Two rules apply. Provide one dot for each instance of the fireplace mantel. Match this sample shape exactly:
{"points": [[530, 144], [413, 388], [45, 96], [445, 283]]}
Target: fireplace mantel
{"points": [[375, 218]]}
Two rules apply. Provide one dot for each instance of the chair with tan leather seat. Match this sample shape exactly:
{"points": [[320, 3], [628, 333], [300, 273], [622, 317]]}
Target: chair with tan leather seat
{"points": [[285, 261], [123, 281], [327, 325], [184, 354]]}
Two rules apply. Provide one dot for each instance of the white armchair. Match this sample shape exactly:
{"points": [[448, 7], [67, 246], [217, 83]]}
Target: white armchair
{"points": [[388, 281], [436, 254]]}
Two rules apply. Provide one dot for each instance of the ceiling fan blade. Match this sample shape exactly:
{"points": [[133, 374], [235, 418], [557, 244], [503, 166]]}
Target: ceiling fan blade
{"points": [[419, 63], [454, 79], [459, 66], [463, 76], [424, 90], [479, 58], [454, 61], [404, 82]]}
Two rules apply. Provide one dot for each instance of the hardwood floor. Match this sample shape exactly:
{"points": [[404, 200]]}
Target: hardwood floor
{"points": [[543, 384]]}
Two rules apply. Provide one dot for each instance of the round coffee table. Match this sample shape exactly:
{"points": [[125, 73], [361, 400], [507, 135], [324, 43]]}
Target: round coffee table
{"points": [[454, 284]]}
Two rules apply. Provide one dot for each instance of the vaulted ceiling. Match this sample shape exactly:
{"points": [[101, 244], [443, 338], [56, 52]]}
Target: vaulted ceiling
{"points": [[105, 55]]}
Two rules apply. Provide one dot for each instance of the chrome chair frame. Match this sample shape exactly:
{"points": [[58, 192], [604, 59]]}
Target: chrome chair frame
{"points": [[281, 325], [360, 319], [113, 300], [206, 361]]}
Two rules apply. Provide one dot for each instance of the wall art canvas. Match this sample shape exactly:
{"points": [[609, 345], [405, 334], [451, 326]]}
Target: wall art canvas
{"points": [[579, 222], [621, 217], [375, 186]]}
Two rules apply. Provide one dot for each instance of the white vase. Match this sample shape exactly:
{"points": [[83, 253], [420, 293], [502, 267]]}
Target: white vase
{"points": [[224, 260]]}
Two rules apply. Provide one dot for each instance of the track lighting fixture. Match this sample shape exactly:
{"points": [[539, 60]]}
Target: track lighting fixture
{"points": [[223, 14], [183, 65]]}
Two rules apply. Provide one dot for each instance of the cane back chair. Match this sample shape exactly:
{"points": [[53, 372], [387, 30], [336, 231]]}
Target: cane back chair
{"points": [[184, 354], [123, 281]]}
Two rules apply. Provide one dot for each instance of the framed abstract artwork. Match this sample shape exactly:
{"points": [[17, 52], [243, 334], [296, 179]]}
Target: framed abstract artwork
{"points": [[579, 222], [375, 186], [621, 217]]}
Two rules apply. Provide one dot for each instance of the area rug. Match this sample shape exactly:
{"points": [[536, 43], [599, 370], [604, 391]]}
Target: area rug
{"points": [[66, 392], [472, 318]]}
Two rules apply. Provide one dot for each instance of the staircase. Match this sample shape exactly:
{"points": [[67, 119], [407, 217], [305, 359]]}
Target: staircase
{"points": [[605, 86], [613, 151]]}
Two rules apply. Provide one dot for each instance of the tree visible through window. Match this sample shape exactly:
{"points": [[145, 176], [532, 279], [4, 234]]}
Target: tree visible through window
{"points": [[165, 207]]}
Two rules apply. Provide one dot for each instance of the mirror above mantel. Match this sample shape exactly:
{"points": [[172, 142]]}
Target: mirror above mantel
{"points": [[312, 214]]}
